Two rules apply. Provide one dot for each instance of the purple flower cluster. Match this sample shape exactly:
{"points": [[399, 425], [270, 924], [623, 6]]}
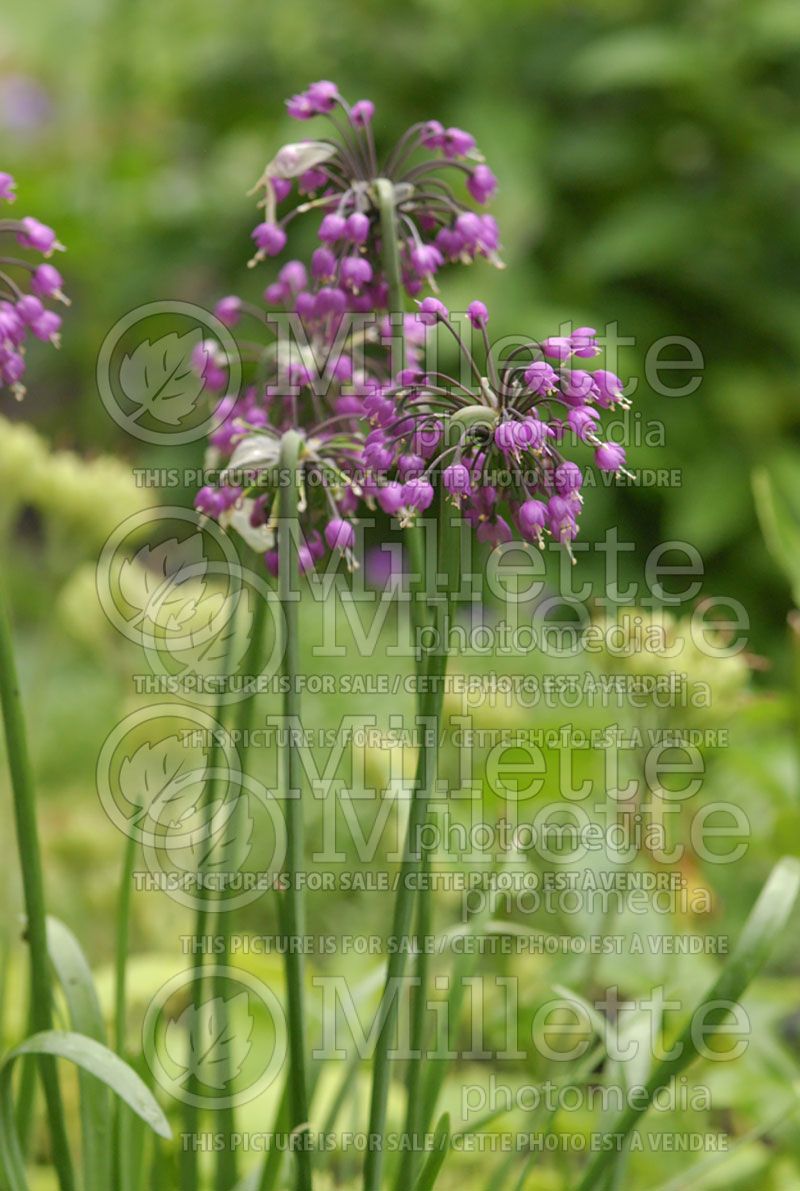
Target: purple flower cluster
{"points": [[337, 178], [25, 287], [496, 443], [383, 430]]}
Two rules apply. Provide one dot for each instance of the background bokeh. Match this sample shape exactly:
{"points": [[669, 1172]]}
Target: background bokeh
{"points": [[649, 160]]}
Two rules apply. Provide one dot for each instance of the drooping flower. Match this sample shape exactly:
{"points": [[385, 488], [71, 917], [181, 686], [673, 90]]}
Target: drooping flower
{"points": [[340, 174], [500, 435], [23, 313]]}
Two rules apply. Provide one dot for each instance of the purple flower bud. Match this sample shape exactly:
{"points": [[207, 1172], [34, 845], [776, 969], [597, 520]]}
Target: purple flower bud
{"points": [[531, 519], [349, 404], [269, 238], [557, 347], [7, 185], [541, 378], [456, 479], [12, 328], [47, 326], [323, 264], [208, 502], [489, 239], [609, 388], [431, 310], [425, 439], [578, 387], [494, 532], [425, 259], [361, 113], [300, 107], [450, 242], [610, 456], [456, 143], [323, 96], [390, 498], [482, 184], [357, 227], [305, 304], [316, 546], [305, 560], [417, 494], [342, 370], [583, 340], [469, 228], [311, 180], [355, 272], [583, 421], [561, 519], [229, 310], [330, 300], [432, 135], [538, 433], [37, 235], [477, 314], [568, 478], [294, 276], [332, 228], [47, 282], [505, 438], [410, 466], [340, 534], [281, 188], [276, 293], [29, 309], [13, 368]]}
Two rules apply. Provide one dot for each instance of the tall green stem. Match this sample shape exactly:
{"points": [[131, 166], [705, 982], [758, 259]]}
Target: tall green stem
{"points": [[390, 251], [191, 1112], [226, 1172], [33, 889], [123, 1166], [292, 909], [434, 666]]}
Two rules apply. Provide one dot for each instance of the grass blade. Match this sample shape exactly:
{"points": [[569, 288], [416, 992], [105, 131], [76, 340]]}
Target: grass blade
{"points": [[90, 1056], [83, 1008], [764, 923], [435, 1160]]}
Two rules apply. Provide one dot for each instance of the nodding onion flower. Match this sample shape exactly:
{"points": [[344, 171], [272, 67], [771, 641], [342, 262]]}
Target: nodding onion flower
{"points": [[299, 382], [495, 442], [337, 178], [24, 288]]}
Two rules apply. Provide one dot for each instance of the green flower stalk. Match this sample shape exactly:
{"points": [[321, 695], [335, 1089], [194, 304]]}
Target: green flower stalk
{"points": [[292, 908], [41, 1015]]}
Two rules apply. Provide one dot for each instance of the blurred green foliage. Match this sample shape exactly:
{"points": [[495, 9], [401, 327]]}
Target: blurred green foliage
{"points": [[649, 157]]}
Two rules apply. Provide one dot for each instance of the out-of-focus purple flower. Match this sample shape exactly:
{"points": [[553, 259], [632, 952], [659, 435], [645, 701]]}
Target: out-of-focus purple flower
{"points": [[482, 184], [24, 313], [229, 310], [269, 240], [477, 314], [7, 185], [610, 456], [361, 113]]}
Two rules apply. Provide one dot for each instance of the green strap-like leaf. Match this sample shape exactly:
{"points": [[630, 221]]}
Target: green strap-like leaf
{"points": [[75, 978], [88, 1055], [765, 922], [435, 1160]]}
